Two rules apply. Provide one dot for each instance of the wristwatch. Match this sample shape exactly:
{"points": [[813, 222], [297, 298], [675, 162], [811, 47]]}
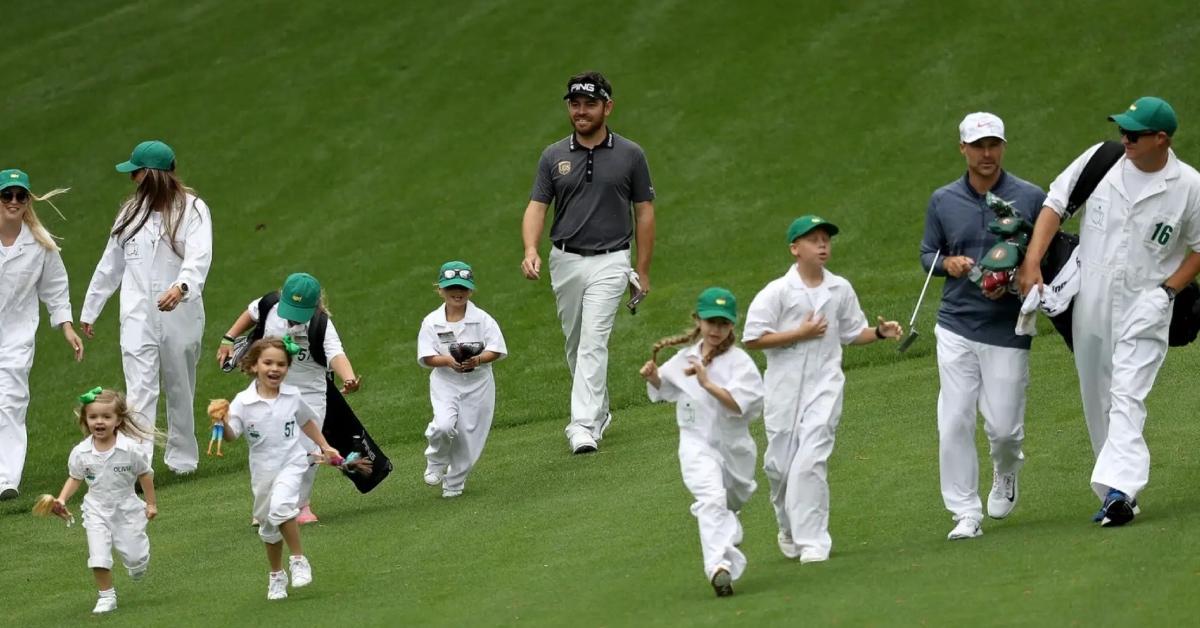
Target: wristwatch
{"points": [[1169, 290]]}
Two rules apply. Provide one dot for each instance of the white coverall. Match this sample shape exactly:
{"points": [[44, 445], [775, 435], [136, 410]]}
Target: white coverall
{"points": [[587, 291], [154, 342], [278, 459], [716, 452], [463, 403], [305, 374], [1127, 248], [28, 272], [113, 516], [804, 384]]}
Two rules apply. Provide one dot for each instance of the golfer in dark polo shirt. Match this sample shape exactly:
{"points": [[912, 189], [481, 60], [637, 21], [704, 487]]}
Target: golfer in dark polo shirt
{"points": [[600, 187]]}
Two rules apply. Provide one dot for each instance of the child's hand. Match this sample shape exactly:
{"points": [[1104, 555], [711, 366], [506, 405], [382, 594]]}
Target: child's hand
{"points": [[696, 367], [649, 372], [151, 512], [889, 329], [351, 385], [224, 352], [813, 326], [61, 511], [332, 456]]}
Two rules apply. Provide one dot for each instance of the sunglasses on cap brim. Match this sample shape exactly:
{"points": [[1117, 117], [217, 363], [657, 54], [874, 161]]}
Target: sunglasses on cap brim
{"points": [[461, 273]]}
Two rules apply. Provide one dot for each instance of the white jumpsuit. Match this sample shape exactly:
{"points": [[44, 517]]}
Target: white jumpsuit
{"points": [[717, 455], [463, 403], [803, 404], [154, 342], [1127, 247], [278, 459], [305, 374], [28, 272], [113, 516]]}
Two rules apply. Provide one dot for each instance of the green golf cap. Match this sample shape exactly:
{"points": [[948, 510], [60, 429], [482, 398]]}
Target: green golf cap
{"points": [[299, 298], [1147, 113], [717, 303], [14, 178], [151, 154], [804, 224], [456, 273]]}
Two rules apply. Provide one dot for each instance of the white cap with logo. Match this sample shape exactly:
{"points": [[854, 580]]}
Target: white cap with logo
{"points": [[979, 125]]}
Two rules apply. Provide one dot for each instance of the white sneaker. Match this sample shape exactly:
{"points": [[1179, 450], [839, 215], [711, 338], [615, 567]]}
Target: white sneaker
{"points": [[105, 604], [277, 585], [136, 574], [301, 571], [603, 426], [1003, 497], [582, 443], [812, 556], [787, 545], [433, 477], [966, 528], [448, 493]]}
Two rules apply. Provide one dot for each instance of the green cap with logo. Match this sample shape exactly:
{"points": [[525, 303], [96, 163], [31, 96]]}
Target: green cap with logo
{"points": [[1147, 113], [299, 297], [14, 178], [804, 224], [151, 154], [717, 303], [456, 273]]}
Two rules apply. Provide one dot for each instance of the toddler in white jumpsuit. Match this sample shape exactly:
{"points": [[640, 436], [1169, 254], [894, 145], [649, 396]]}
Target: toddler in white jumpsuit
{"points": [[299, 300], [272, 415], [31, 269], [113, 516], [717, 391], [463, 395], [1137, 242], [159, 255], [801, 321]]}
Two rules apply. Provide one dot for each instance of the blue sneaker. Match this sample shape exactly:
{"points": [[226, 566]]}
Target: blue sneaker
{"points": [[1117, 510], [1099, 516]]}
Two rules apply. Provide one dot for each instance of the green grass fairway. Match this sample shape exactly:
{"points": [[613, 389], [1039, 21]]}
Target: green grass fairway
{"points": [[368, 142]]}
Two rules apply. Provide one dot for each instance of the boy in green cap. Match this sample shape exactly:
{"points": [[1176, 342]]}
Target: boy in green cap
{"points": [[800, 321], [717, 392], [458, 342]]}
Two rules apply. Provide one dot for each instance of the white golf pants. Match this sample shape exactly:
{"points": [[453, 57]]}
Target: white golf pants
{"points": [[988, 379], [1120, 343], [719, 486], [14, 402], [122, 529], [796, 463], [459, 429], [588, 292], [169, 351], [277, 499]]}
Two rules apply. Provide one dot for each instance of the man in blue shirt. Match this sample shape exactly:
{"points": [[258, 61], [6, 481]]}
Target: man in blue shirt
{"points": [[982, 363]]}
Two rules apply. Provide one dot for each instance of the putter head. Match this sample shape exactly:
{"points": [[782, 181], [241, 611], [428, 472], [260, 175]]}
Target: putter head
{"points": [[908, 340]]}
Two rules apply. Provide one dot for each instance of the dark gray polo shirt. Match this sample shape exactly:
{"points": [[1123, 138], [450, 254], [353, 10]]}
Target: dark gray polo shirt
{"points": [[956, 224], [592, 191]]}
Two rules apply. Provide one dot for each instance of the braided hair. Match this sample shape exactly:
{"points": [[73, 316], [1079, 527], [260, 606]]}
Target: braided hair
{"points": [[690, 336]]}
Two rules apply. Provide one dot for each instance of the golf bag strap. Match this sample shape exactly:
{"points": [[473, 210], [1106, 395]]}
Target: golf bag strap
{"points": [[316, 328], [1101, 162]]}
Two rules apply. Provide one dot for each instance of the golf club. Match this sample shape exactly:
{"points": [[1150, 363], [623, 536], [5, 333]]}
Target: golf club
{"points": [[912, 322]]}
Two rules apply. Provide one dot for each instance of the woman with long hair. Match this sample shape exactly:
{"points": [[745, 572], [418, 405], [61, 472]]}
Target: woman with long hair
{"points": [[31, 269], [159, 253]]}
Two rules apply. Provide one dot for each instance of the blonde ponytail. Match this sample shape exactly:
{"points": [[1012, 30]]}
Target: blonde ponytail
{"points": [[40, 233]]}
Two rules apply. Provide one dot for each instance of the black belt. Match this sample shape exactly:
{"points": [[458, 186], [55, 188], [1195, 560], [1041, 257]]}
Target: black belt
{"points": [[587, 252]]}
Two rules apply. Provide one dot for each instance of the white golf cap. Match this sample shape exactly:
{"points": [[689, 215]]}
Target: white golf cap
{"points": [[979, 125]]}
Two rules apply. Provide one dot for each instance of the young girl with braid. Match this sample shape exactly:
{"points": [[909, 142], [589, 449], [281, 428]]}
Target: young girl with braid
{"points": [[717, 391]]}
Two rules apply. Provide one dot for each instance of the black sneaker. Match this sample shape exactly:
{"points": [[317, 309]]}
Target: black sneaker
{"points": [[1118, 509], [722, 582]]}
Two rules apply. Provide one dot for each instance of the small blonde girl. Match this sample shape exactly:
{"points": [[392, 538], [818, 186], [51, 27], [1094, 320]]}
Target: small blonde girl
{"points": [[717, 390], [272, 415], [109, 461]]}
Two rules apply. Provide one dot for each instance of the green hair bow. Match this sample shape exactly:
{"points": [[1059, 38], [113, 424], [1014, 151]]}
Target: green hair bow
{"points": [[90, 395], [290, 346]]}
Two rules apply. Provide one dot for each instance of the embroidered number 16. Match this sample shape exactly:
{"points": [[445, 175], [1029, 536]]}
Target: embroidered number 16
{"points": [[1162, 233]]}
